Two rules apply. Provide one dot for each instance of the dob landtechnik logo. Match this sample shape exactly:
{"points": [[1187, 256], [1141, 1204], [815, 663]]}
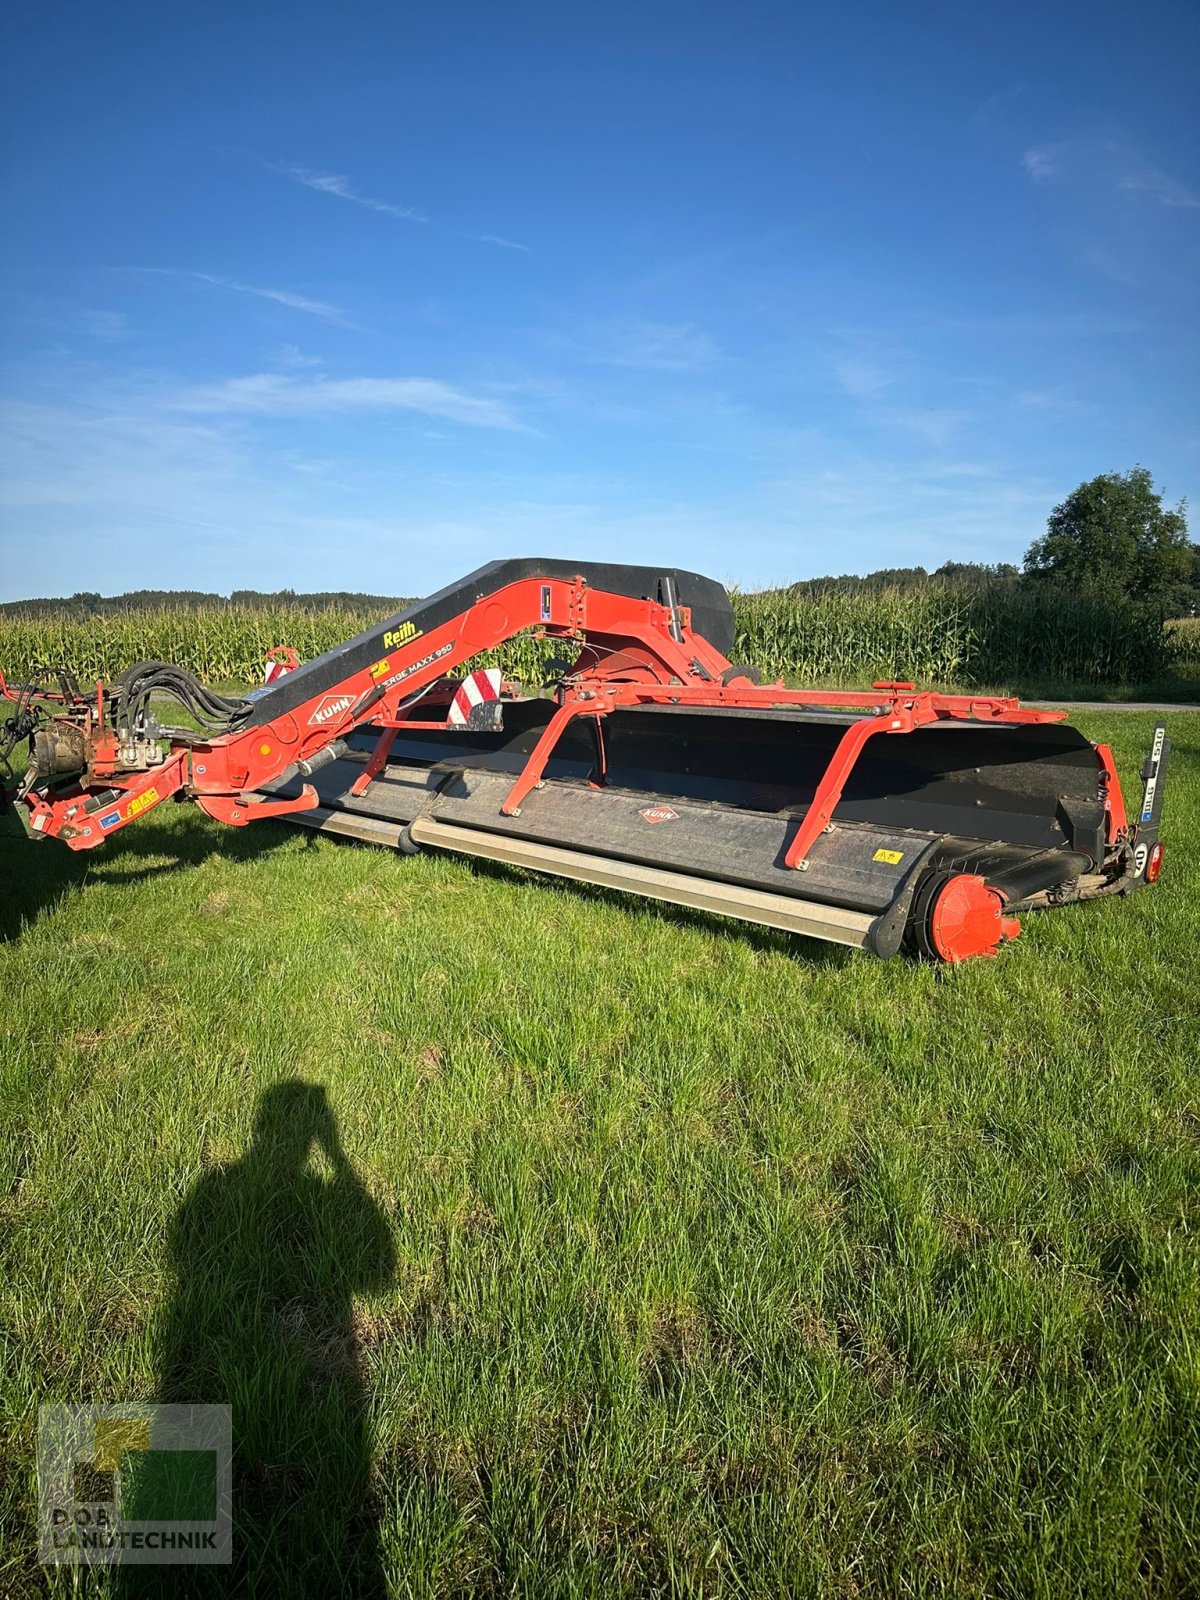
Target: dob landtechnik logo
{"points": [[134, 1483]]}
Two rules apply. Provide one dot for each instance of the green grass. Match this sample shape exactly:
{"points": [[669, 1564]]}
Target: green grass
{"points": [[650, 1254]]}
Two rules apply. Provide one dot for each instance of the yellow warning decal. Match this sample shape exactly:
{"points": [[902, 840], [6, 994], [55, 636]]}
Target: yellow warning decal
{"points": [[138, 805], [380, 668], [892, 857]]}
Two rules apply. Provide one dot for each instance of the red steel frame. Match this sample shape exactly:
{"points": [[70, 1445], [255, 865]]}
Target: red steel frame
{"points": [[632, 652]]}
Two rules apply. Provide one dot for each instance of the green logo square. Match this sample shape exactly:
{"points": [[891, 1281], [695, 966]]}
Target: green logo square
{"points": [[168, 1485]]}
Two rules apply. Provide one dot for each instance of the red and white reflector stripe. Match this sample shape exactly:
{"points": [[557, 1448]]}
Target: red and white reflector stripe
{"points": [[476, 690], [280, 669]]}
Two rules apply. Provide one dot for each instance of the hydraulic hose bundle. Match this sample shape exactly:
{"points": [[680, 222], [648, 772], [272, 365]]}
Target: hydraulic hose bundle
{"points": [[214, 713]]}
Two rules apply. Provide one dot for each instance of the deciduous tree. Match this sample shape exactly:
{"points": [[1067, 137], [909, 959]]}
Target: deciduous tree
{"points": [[1114, 535]]}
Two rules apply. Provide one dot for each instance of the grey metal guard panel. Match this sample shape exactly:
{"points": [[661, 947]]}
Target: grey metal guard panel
{"points": [[855, 866]]}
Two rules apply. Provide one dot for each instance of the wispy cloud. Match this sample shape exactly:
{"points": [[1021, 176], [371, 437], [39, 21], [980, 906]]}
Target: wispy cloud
{"points": [[1043, 162], [651, 346], [937, 425], [341, 187], [996, 104], [275, 394], [108, 326], [496, 238], [1158, 186], [862, 379], [282, 297], [1058, 398], [291, 355], [336, 184], [1110, 164]]}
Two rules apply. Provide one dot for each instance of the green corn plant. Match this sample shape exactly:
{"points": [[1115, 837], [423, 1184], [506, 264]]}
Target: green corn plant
{"points": [[934, 635]]}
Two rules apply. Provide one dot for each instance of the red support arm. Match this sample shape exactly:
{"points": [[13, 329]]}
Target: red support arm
{"points": [[829, 791]]}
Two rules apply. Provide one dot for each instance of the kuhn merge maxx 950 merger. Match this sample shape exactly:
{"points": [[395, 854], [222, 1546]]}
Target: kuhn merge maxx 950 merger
{"points": [[886, 819]]}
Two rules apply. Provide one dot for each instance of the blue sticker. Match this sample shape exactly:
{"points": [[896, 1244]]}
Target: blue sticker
{"points": [[1146, 815], [111, 820]]}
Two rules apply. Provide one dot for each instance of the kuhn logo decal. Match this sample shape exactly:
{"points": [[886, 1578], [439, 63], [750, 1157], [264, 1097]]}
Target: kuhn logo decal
{"points": [[328, 708], [659, 814]]}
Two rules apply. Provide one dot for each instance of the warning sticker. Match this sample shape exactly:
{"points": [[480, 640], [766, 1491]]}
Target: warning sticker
{"points": [[892, 857]]}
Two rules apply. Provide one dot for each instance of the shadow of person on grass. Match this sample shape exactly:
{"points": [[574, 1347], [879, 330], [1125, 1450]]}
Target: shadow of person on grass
{"points": [[267, 1255]]}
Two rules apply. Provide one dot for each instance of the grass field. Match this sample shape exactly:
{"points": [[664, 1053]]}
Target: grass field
{"points": [[550, 1243]]}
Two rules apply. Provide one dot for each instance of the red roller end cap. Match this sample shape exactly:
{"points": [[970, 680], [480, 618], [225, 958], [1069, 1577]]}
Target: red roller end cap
{"points": [[968, 920]]}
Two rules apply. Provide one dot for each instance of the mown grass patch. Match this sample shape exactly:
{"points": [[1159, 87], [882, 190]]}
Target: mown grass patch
{"points": [[650, 1254]]}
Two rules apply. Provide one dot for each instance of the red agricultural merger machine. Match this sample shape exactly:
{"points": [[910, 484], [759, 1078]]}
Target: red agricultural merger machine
{"points": [[882, 819]]}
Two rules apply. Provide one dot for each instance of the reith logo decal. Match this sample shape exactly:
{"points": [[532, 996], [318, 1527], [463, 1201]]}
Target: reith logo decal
{"points": [[329, 708], [401, 635]]}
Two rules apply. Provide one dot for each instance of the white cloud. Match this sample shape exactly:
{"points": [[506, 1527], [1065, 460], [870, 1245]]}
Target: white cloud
{"points": [[1058, 398], [109, 326], [203, 498], [336, 184], [935, 424], [1109, 164], [652, 346], [1042, 162], [998, 103], [282, 297], [274, 394], [497, 238], [1167, 191], [291, 355], [862, 379]]}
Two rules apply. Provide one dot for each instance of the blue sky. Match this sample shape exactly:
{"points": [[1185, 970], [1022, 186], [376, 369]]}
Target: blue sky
{"points": [[359, 296]]}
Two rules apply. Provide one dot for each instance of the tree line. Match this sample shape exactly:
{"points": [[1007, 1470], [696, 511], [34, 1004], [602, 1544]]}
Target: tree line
{"points": [[83, 603], [1111, 538]]}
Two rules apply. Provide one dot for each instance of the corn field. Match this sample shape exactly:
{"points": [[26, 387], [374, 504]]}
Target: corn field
{"points": [[1184, 634], [974, 638], [935, 636]]}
